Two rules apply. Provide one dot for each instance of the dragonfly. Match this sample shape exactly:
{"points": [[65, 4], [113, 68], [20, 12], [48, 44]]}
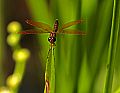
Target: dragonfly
{"points": [[45, 28]]}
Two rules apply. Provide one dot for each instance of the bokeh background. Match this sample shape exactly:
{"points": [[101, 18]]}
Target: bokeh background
{"points": [[81, 62]]}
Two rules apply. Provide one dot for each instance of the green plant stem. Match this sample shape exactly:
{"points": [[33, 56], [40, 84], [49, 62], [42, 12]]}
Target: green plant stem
{"points": [[50, 72], [19, 69], [1, 40], [112, 50], [52, 81]]}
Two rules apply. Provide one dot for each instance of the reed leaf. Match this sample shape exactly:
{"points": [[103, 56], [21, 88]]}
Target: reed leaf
{"points": [[2, 44], [112, 47]]}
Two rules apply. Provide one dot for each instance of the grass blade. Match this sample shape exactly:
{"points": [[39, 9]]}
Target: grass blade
{"points": [[50, 73], [1, 40], [112, 48]]}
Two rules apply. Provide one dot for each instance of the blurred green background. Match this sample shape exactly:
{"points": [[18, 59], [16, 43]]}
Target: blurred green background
{"points": [[84, 64]]}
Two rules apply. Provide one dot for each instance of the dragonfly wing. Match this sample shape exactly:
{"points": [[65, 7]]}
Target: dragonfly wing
{"points": [[74, 32], [32, 31], [41, 25], [71, 23]]}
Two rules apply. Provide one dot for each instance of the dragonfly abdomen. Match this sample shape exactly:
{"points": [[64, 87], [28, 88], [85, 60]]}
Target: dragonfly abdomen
{"points": [[56, 25]]}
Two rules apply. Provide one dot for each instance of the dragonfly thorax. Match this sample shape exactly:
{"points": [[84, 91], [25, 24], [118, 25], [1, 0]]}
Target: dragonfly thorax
{"points": [[52, 34]]}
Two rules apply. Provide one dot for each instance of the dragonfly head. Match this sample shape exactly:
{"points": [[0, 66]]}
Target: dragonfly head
{"points": [[52, 40]]}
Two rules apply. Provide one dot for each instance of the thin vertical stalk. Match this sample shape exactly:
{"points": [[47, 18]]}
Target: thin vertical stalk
{"points": [[52, 80], [50, 73], [1, 40], [112, 49]]}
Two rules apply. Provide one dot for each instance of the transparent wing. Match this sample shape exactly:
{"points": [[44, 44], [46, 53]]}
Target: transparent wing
{"points": [[74, 32], [41, 25], [71, 23], [32, 31]]}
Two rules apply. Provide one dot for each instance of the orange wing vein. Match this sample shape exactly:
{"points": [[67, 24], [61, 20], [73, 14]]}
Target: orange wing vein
{"points": [[74, 32], [71, 23], [31, 31], [41, 25]]}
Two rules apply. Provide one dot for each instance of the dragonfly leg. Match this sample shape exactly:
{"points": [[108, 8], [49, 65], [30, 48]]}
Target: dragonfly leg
{"points": [[49, 52], [51, 46], [53, 53]]}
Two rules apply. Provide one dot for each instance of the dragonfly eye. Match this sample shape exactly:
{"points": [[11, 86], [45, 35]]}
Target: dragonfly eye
{"points": [[54, 39], [51, 39]]}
